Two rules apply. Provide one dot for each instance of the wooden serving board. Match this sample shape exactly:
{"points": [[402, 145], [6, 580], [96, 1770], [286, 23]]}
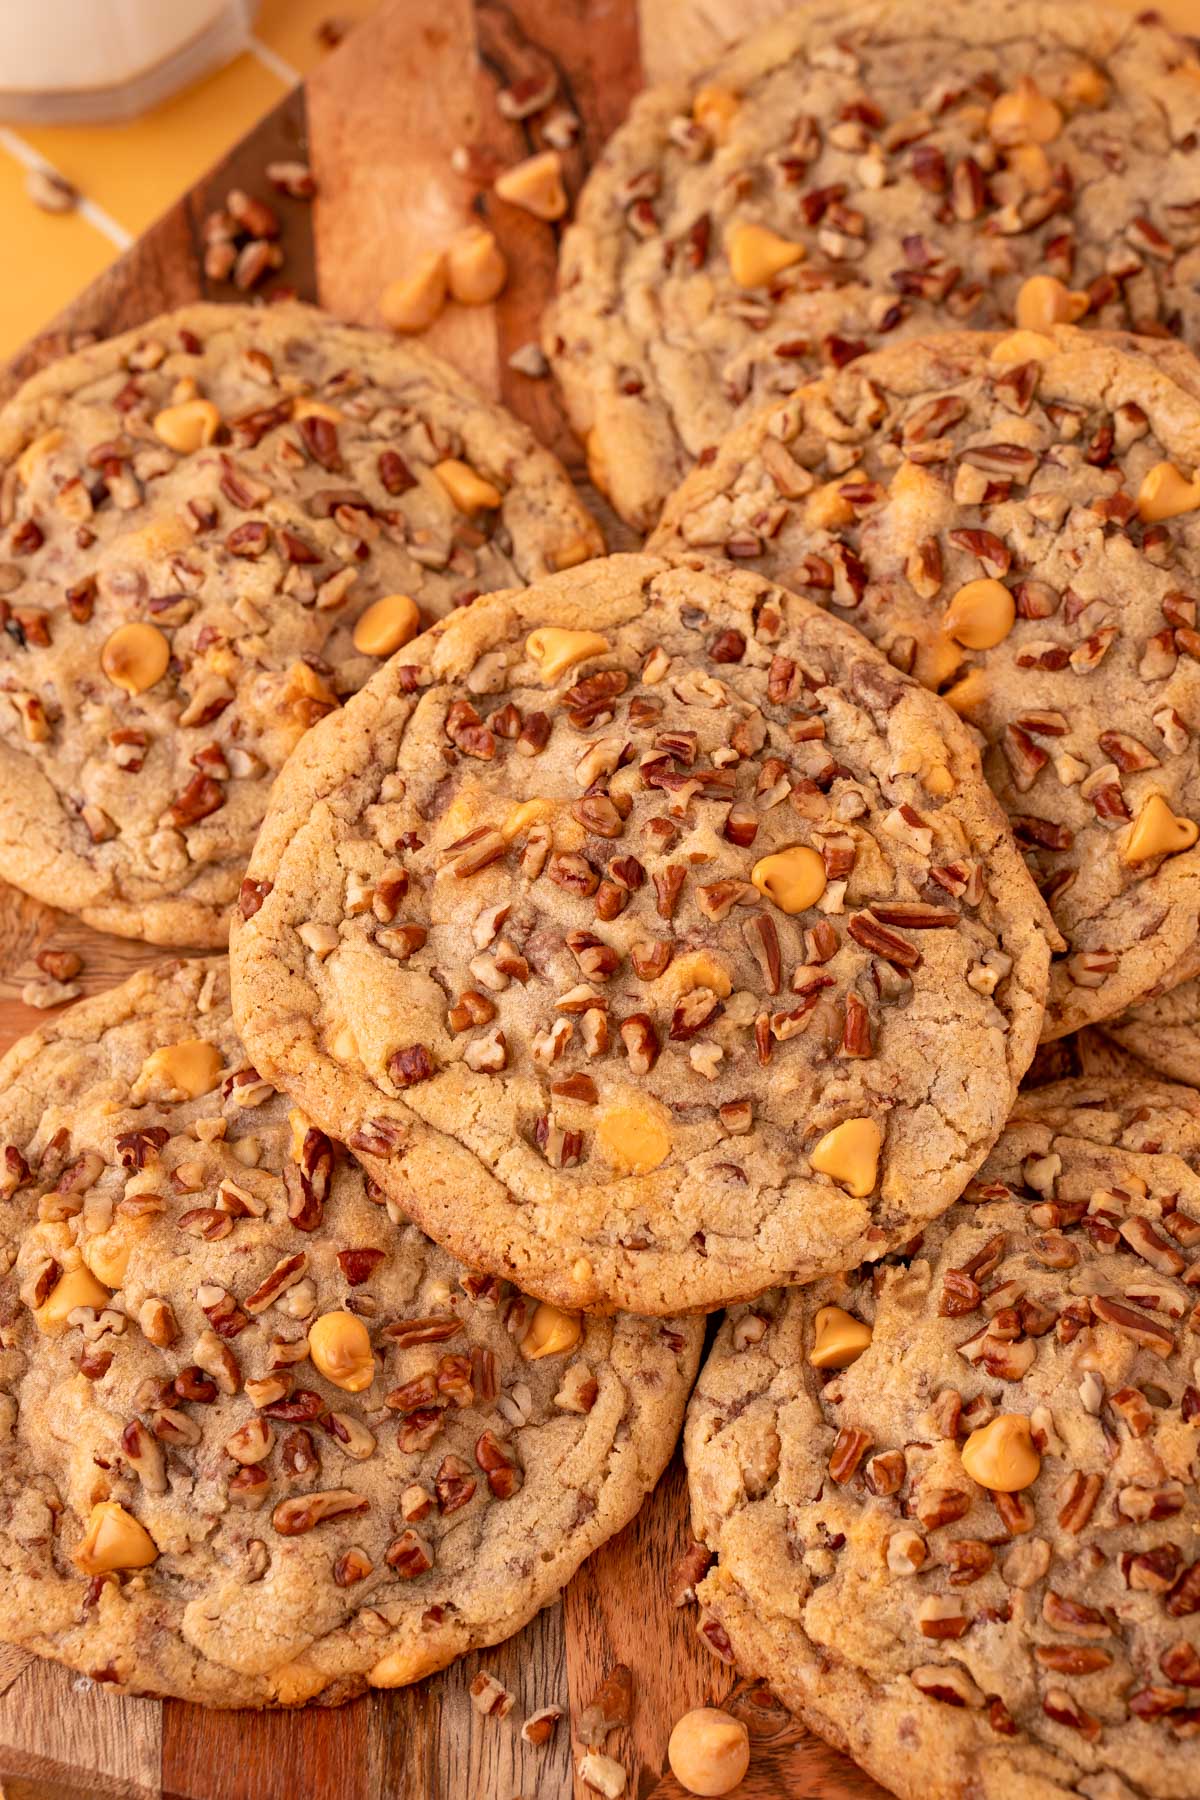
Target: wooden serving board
{"points": [[378, 122]]}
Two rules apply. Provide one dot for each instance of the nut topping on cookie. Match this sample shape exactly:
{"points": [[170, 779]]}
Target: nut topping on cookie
{"points": [[229, 532], [852, 176], [218, 1396], [1010, 521], [749, 866], [931, 1527]]}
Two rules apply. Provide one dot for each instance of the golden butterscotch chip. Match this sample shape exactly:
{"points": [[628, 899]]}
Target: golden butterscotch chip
{"points": [[535, 185], [114, 1539], [699, 969], [413, 302], [1157, 831], [386, 625], [551, 1332], [470, 492], [1044, 301], [77, 1287], [757, 255], [850, 1155], [308, 408], [526, 813], [1025, 345], [107, 1256], [475, 267], [188, 426], [36, 452], [1165, 493], [633, 1133], [135, 656], [192, 1067], [826, 507], [1001, 1455], [555, 651], [838, 1338], [793, 880], [715, 108], [980, 615], [340, 1346], [1024, 116]]}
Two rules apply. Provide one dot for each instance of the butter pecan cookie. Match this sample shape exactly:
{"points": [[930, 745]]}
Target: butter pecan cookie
{"points": [[1163, 1032], [952, 1498], [649, 938], [853, 172], [211, 531], [1016, 519], [260, 1440]]}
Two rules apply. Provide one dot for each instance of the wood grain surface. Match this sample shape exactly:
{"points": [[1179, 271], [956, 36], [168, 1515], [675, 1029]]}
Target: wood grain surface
{"points": [[379, 121]]}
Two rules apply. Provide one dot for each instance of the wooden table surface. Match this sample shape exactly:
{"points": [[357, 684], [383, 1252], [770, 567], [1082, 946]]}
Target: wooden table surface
{"points": [[379, 121]]}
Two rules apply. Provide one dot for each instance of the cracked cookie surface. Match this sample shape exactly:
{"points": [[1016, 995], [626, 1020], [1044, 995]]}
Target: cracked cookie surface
{"points": [[648, 937], [952, 1497], [852, 173], [211, 529], [1164, 1033], [1016, 519], [261, 1440]]}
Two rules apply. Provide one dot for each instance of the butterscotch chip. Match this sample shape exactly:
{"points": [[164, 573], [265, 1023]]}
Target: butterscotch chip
{"points": [[251, 1416], [849, 175], [976, 1545], [201, 521], [690, 957], [1018, 534]]}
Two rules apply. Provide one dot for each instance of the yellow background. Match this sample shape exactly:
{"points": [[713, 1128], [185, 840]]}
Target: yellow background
{"points": [[130, 173]]}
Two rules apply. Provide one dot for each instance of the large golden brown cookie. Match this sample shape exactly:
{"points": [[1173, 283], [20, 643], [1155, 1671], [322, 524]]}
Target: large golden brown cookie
{"points": [[211, 530], [1016, 519], [650, 938], [952, 1497], [853, 173], [261, 1440]]}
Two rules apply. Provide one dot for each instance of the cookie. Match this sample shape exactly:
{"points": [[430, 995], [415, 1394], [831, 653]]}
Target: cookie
{"points": [[1016, 519], [952, 1498], [648, 937], [211, 531], [853, 173], [1089, 1053], [263, 1441], [1164, 1033]]}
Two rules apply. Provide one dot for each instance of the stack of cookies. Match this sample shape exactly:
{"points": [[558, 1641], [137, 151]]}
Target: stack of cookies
{"points": [[621, 939]]}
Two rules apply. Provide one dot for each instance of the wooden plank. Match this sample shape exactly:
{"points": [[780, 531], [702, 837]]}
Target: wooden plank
{"points": [[53, 1722]]}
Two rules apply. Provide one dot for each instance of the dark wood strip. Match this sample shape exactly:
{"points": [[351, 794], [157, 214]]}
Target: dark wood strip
{"points": [[319, 1753], [595, 53]]}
